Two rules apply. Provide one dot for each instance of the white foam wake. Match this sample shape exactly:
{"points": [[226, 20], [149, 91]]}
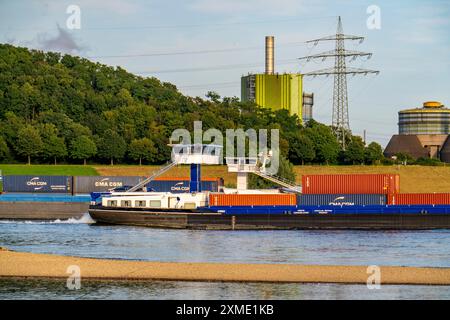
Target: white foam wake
{"points": [[85, 219]]}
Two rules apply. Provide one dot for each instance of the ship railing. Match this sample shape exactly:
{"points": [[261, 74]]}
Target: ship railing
{"points": [[288, 184], [152, 177]]}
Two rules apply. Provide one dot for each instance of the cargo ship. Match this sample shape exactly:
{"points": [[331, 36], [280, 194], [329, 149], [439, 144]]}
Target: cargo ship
{"points": [[322, 202]]}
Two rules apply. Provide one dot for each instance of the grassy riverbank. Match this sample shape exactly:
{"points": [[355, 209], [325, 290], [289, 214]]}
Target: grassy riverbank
{"points": [[48, 170]]}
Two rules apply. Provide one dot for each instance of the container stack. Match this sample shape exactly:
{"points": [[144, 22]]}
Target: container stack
{"points": [[80, 185], [351, 184], [348, 189], [280, 199]]}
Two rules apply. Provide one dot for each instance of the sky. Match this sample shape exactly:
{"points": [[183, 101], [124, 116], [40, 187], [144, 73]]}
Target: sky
{"points": [[202, 45]]}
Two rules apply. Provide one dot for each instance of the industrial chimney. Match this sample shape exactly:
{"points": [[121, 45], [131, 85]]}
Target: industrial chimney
{"points": [[270, 40]]}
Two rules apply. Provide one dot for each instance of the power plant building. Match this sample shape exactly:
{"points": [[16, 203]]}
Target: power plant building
{"points": [[423, 132], [276, 91]]}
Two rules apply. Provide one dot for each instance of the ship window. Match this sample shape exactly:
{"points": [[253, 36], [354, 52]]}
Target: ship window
{"points": [[189, 205], [112, 203], [155, 203], [126, 203], [140, 203]]}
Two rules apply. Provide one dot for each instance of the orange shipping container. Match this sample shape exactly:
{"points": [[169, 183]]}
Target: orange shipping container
{"points": [[281, 199], [351, 184], [419, 198]]}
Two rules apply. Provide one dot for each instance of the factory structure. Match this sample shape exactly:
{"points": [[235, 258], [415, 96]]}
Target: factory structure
{"points": [[277, 91], [422, 132]]}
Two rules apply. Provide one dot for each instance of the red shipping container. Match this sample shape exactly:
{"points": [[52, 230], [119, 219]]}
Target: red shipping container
{"points": [[280, 199], [351, 184], [419, 198]]}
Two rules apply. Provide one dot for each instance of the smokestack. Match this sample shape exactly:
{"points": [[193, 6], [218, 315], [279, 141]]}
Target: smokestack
{"points": [[270, 40]]}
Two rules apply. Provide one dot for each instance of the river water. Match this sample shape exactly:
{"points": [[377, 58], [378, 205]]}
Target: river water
{"points": [[80, 238]]}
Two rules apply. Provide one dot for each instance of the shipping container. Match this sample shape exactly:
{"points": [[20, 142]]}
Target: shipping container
{"points": [[340, 199], [88, 184], [419, 198], [351, 184], [282, 199], [180, 185], [38, 184]]}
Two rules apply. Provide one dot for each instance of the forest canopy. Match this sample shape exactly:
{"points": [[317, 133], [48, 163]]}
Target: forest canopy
{"points": [[62, 108]]}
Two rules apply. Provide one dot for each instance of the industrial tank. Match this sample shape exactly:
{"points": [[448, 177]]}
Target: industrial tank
{"points": [[433, 118]]}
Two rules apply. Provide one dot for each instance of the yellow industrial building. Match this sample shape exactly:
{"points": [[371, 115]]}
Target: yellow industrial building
{"points": [[274, 91], [277, 91]]}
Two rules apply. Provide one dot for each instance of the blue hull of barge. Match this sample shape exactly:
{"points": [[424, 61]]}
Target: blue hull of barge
{"points": [[334, 210]]}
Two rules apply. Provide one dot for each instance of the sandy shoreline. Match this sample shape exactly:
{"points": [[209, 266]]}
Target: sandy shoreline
{"points": [[32, 265]]}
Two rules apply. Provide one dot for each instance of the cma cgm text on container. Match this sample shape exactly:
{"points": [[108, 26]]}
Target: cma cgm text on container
{"points": [[351, 184], [181, 185], [37, 184], [340, 199]]}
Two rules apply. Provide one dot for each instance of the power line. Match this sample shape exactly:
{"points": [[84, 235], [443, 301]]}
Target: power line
{"points": [[192, 52], [202, 25], [215, 68], [183, 26], [207, 85]]}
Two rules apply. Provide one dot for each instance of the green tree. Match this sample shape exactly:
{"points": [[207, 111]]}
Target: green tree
{"points": [[111, 146], [325, 143], [301, 149], [82, 148], [355, 151], [4, 150], [404, 158], [142, 149], [213, 96], [54, 146], [29, 142], [373, 153]]}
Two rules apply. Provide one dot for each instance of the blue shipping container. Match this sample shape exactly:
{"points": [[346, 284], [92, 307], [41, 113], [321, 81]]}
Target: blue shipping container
{"points": [[179, 186], [41, 184], [340, 199]]}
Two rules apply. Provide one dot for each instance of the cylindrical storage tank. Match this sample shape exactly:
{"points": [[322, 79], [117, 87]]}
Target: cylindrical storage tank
{"points": [[37, 184], [433, 118], [419, 198], [88, 184], [341, 199], [283, 199], [351, 184]]}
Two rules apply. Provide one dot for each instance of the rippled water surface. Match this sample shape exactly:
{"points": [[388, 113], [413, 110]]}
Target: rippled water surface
{"points": [[407, 248]]}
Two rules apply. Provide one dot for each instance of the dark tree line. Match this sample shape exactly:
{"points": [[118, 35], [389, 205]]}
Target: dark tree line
{"points": [[61, 108]]}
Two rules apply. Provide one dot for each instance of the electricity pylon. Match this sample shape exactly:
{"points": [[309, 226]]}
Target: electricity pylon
{"points": [[340, 120]]}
